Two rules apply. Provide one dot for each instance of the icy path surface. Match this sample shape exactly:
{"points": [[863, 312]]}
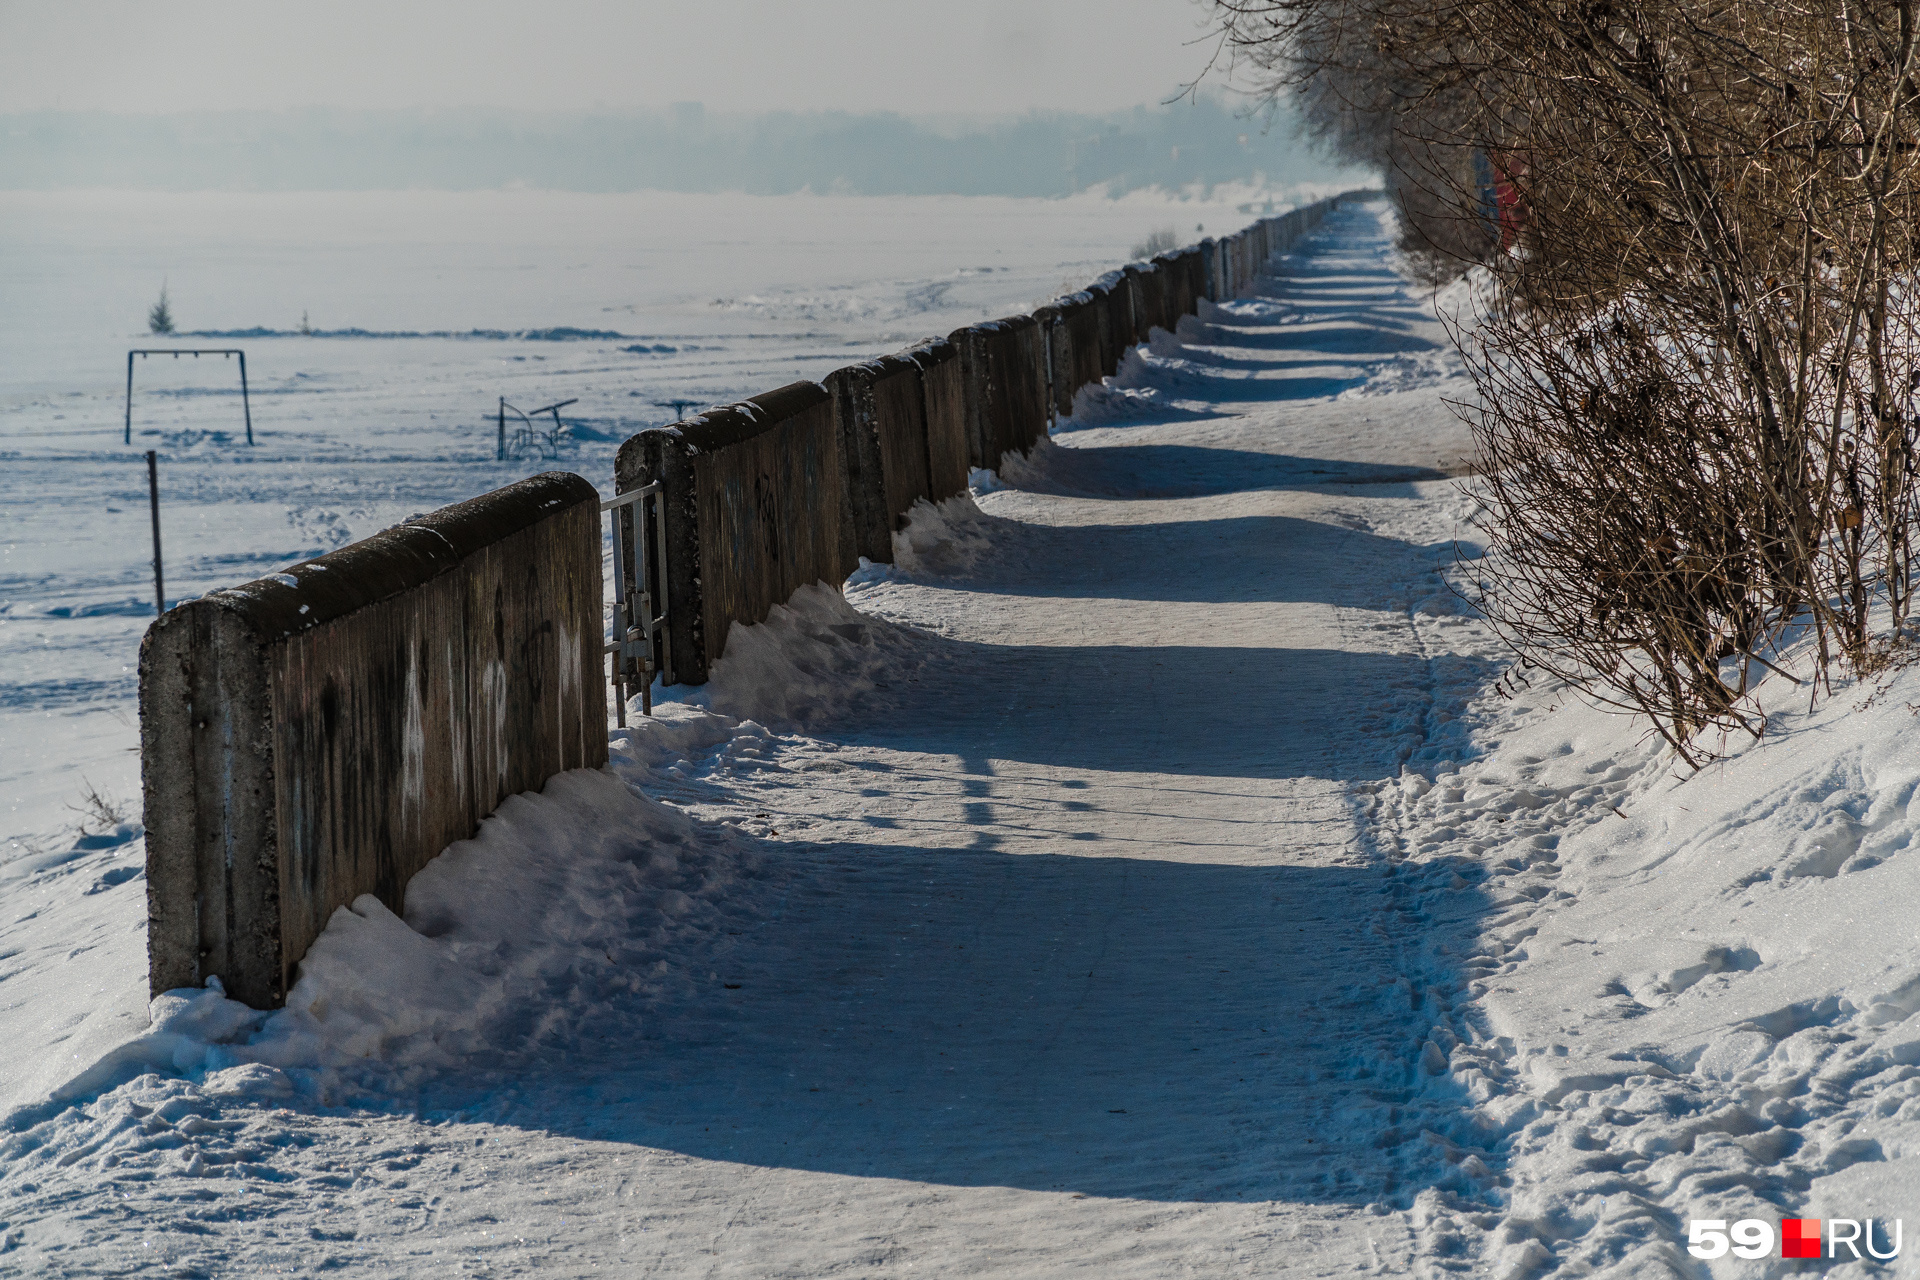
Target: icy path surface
{"points": [[1056, 921]]}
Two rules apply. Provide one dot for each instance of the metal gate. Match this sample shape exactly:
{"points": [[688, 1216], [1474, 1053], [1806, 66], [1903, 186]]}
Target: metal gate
{"points": [[639, 648]]}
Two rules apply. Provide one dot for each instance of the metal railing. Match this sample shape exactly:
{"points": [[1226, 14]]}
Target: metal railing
{"points": [[638, 573]]}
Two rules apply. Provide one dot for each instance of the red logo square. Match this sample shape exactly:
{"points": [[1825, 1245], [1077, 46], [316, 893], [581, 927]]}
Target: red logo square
{"points": [[1800, 1237]]}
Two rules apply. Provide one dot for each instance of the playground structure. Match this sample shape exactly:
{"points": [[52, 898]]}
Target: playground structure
{"points": [[530, 440], [176, 352]]}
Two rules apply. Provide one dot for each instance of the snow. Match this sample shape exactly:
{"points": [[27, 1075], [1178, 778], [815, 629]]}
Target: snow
{"points": [[1732, 964], [1157, 870]]}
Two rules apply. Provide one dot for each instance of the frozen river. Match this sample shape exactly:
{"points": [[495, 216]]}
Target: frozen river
{"points": [[714, 298]]}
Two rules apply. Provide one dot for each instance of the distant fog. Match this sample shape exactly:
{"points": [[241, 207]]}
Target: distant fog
{"points": [[683, 148]]}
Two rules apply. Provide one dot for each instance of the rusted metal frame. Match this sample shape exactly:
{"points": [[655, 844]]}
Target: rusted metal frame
{"points": [[246, 402], [524, 432], [635, 622]]}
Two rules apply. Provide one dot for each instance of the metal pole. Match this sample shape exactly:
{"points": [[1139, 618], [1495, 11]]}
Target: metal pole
{"points": [[643, 584], [500, 446], [129, 397], [245, 405], [153, 503], [657, 576], [620, 622]]}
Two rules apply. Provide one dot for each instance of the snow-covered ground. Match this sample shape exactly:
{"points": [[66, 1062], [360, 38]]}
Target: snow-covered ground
{"points": [[1145, 876]]}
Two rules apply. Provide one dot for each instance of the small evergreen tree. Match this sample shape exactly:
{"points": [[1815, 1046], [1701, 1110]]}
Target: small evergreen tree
{"points": [[160, 315]]}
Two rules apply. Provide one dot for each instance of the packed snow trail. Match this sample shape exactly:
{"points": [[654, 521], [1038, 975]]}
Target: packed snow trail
{"points": [[1056, 921]]}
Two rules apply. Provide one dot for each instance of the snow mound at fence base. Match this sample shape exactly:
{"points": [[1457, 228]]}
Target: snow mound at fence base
{"points": [[943, 539], [563, 906], [814, 657]]}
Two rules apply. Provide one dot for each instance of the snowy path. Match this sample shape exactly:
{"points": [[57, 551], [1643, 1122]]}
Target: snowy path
{"points": [[1079, 943], [1085, 957]]}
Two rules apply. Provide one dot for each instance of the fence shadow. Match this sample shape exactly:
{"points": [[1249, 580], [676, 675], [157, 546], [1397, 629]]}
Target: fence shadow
{"points": [[1366, 334], [1194, 471], [1229, 559], [1305, 712], [958, 1017]]}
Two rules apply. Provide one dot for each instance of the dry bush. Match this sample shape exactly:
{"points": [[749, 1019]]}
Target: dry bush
{"points": [[1697, 387], [1156, 243], [1367, 93], [104, 812]]}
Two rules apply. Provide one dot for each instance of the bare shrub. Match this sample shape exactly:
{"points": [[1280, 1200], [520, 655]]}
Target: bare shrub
{"points": [[1157, 242], [98, 812]]}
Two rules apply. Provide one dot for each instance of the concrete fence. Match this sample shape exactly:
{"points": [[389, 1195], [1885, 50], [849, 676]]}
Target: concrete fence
{"points": [[794, 487], [324, 732], [1143, 297], [1114, 301], [903, 438], [944, 390], [758, 505], [1076, 352], [881, 411], [1004, 368]]}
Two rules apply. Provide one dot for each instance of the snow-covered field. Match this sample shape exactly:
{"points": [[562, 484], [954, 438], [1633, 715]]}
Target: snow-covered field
{"points": [[1143, 877]]}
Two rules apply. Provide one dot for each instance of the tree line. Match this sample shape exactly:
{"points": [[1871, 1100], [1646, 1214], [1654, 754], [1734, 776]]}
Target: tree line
{"points": [[1697, 364]]}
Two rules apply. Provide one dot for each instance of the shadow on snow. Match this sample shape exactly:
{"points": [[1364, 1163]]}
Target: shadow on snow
{"points": [[1240, 1058]]}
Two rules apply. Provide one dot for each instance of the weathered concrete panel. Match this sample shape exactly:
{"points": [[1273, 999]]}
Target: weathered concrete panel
{"points": [[881, 410], [1071, 327], [1179, 270], [1143, 287], [1004, 376], [1193, 280], [757, 507], [1024, 350], [1113, 317], [1082, 341], [851, 389], [327, 731], [943, 383]]}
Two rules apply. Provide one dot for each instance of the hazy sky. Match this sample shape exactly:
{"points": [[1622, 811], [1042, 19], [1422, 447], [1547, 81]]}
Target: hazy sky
{"points": [[913, 56]]}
